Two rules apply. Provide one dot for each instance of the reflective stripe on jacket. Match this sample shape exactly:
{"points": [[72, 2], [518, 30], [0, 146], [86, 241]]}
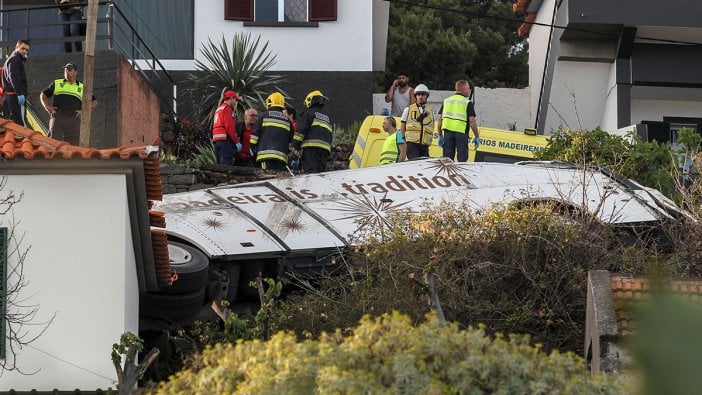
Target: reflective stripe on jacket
{"points": [[224, 124], [454, 115], [391, 152], [272, 136], [416, 131], [314, 130]]}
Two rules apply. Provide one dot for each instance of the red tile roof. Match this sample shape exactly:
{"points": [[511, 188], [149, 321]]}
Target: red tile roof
{"points": [[18, 142], [520, 8], [627, 292]]}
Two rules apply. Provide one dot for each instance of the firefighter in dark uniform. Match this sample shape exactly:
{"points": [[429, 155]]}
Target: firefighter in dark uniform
{"points": [[314, 134], [67, 107], [272, 135]]}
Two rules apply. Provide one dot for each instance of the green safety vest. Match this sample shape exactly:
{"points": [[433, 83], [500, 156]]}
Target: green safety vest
{"points": [[390, 153], [455, 113], [63, 87]]}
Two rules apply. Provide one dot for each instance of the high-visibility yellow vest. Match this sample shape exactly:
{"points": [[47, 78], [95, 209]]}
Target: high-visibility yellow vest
{"points": [[63, 87], [421, 132], [390, 153], [454, 115]]}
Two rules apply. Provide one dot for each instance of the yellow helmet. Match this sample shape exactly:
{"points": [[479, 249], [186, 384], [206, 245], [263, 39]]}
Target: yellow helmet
{"points": [[315, 97], [275, 99]]}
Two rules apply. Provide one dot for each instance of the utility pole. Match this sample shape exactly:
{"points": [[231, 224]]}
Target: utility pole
{"points": [[88, 63]]}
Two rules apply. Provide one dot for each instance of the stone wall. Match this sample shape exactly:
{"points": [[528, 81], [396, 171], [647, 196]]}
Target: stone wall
{"points": [[182, 178]]}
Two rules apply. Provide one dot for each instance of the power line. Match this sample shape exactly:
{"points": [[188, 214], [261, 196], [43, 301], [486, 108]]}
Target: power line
{"points": [[73, 364], [520, 21]]}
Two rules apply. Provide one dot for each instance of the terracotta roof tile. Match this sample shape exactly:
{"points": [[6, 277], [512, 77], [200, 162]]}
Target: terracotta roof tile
{"points": [[17, 142], [163, 266], [525, 28], [627, 292]]}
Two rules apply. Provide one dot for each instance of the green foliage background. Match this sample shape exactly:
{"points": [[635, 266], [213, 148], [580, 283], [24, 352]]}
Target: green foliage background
{"points": [[443, 43]]}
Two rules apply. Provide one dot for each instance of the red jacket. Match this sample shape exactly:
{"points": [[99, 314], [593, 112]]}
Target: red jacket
{"points": [[224, 124]]}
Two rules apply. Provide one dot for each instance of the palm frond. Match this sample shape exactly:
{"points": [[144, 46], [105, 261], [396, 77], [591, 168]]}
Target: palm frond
{"points": [[242, 65]]}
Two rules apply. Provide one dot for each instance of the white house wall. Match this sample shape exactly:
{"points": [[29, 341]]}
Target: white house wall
{"points": [[655, 110], [499, 108], [80, 267], [609, 118], [538, 50], [577, 95], [342, 45]]}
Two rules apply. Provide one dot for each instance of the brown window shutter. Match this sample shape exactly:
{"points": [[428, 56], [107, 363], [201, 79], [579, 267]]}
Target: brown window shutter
{"points": [[238, 10], [322, 10]]}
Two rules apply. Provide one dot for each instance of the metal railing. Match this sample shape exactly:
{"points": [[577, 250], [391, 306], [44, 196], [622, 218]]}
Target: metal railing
{"points": [[115, 33]]}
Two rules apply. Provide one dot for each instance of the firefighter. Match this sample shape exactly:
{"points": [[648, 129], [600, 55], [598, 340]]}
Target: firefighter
{"points": [[224, 134], [314, 134], [417, 124], [272, 135]]}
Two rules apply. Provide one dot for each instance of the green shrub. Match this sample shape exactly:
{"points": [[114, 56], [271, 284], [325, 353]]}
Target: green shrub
{"points": [[388, 355], [517, 270], [346, 136], [649, 163]]}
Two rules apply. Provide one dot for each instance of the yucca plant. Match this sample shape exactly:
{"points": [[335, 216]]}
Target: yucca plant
{"points": [[203, 155], [242, 65]]}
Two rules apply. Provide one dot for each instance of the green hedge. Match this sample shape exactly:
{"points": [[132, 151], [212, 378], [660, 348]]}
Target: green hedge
{"points": [[388, 355]]}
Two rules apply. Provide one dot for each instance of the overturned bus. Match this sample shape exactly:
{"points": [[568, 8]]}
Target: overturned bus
{"points": [[224, 237]]}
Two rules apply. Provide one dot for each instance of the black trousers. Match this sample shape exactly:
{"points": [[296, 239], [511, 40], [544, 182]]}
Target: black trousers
{"points": [[417, 150], [13, 110], [314, 160]]}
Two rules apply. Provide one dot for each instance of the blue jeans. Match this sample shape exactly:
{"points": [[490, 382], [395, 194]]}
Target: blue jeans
{"points": [[72, 30], [224, 152], [456, 145]]}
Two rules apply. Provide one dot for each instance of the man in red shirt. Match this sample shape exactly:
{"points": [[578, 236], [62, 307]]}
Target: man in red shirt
{"points": [[244, 130], [224, 134]]}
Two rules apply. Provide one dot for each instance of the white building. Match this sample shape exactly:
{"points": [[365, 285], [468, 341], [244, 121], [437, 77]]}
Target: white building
{"points": [[610, 64], [84, 221]]}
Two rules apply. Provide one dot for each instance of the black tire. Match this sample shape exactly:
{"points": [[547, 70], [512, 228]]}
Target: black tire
{"points": [[191, 265], [175, 307]]}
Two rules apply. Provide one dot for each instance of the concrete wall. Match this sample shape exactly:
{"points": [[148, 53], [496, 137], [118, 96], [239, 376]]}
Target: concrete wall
{"points": [[127, 113], [79, 269], [577, 98], [499, 108], [138, 108]]}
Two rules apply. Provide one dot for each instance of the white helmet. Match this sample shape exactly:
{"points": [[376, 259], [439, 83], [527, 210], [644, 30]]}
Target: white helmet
{"points": [[421, 88]]}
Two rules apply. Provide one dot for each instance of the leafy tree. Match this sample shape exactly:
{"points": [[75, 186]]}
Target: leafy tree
{"points": [[440, 41]]}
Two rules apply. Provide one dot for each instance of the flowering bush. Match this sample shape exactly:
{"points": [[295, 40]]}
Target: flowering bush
{"points": [[185, 139]]}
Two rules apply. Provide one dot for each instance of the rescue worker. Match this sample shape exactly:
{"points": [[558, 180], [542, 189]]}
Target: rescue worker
{"points": [[394, 148], [67, 107], [417, 124], [457, 115], [314, 134], [14, 82], [273, 134], [224, 134]]}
